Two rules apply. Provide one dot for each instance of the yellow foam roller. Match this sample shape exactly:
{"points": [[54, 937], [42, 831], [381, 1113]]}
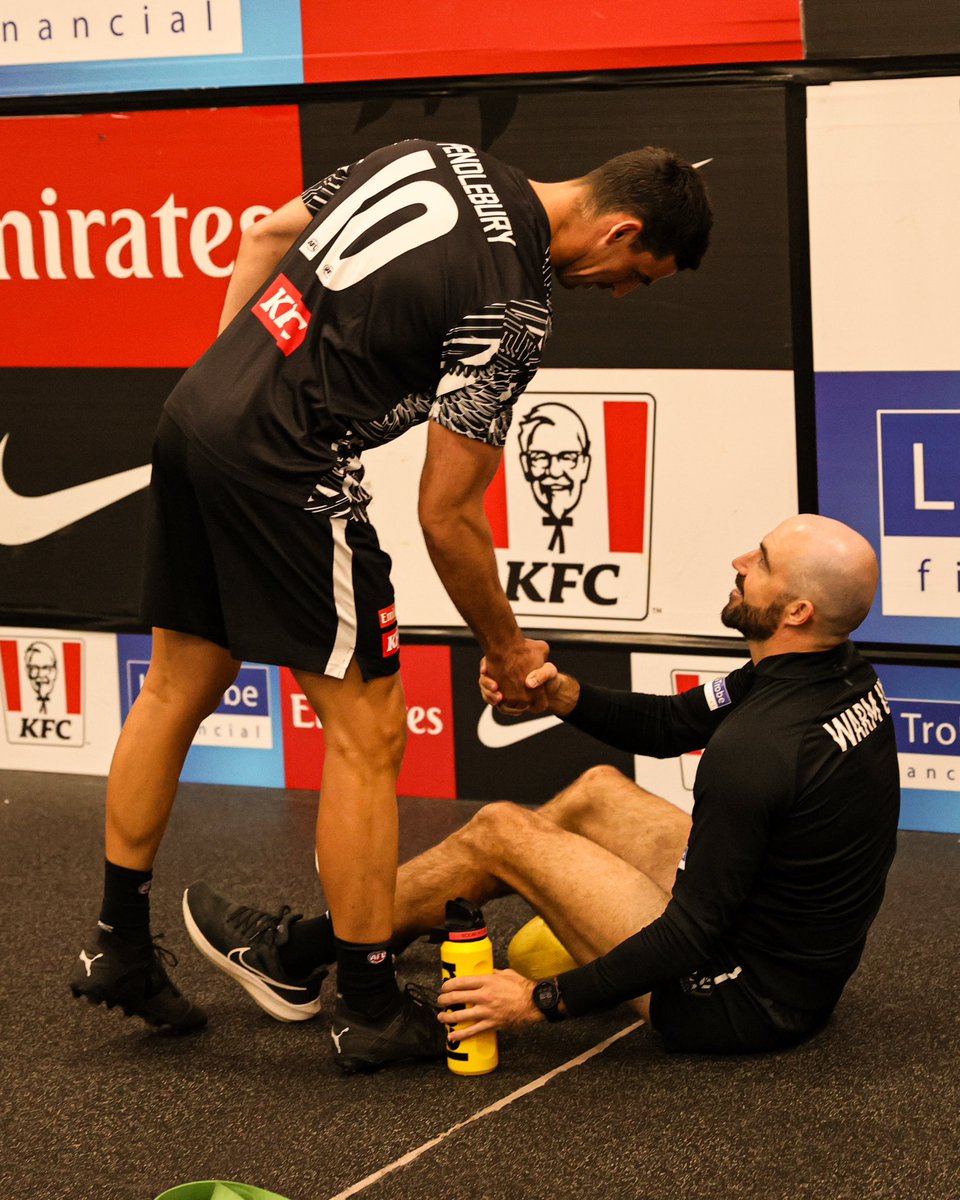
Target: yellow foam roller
{"points": [[537, 953]]}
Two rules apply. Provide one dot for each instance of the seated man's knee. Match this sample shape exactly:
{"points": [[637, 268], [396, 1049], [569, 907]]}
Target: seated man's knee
{"points": [[587, 792], [496, 825]]}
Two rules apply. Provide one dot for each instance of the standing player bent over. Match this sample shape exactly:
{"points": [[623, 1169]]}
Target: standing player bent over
{"points": [[411, 286]]}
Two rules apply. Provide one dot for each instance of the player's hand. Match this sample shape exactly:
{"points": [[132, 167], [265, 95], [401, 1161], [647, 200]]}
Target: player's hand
{"points": [[510, 670], [496, 1001], [560, 692]]}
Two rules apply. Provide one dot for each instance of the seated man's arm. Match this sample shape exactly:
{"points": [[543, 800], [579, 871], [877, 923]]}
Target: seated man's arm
{"points": [[656, 726], [737, 802]]}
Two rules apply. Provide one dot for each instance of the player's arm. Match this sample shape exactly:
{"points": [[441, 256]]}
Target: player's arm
{"points": [[265, 242], [456, 474], [262, 246]]}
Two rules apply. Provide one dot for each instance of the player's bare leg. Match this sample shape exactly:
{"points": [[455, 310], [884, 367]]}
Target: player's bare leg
{"points": [[365, 729], [592, 898], [645, 830], [119, 965], [184, 684]]}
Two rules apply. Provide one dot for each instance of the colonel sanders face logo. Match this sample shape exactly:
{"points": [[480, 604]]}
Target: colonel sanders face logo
{"points": [[555, 458], [41, 666]]}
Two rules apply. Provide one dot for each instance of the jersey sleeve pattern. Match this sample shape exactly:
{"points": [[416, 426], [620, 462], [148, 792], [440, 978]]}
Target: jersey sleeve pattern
{"points": [[317, 195], [487, 362]]}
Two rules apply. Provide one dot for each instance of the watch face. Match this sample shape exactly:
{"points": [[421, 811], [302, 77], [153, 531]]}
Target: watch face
{"points": [[546, 995]]}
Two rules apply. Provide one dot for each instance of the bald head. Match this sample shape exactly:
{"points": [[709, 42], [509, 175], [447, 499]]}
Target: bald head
{"points": [[829, 564]]}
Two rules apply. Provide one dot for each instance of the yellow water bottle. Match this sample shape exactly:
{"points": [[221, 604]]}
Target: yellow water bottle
{"points": [[467, 950]]}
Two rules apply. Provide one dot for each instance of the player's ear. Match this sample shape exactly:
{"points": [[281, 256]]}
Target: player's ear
{"points": [[623, 228], [798, 612]]}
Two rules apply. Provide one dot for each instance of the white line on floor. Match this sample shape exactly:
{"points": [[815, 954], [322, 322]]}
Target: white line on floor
{"points": [[408, 1158]]}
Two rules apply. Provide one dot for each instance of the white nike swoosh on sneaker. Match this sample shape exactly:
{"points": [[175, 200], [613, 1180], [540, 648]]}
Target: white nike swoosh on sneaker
{"points": [[26, 519], [495, 736], [237, 953], [337, 1036]]}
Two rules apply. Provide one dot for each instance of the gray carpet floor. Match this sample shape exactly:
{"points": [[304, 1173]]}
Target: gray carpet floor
{"points": [[95, 1107]]}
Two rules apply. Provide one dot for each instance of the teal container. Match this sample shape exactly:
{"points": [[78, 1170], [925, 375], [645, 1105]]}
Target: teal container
{"points": [[217, 1189]]}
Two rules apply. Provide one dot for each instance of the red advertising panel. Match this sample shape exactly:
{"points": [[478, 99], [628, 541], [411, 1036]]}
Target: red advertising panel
{"points": [[371, 40], [428, 766], [118, 231]]}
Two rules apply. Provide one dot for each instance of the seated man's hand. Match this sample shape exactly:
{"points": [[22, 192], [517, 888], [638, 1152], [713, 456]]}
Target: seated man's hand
{"points": [[496, 1001], [558, 693]]}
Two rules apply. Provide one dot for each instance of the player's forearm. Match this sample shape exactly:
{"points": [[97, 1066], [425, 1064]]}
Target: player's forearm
{"points": [[256, 261], [461, 549]]}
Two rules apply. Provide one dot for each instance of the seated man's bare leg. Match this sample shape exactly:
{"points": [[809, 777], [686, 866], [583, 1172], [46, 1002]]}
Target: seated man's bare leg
{"points": [[365, 729], [185, 682], [608, 808], [590, 897]]}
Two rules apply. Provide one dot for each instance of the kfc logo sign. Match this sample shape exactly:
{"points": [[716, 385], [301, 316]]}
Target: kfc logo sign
{"points": [[428, 765], [42, 691], [283, 314], [132, 220], [570, 507]]}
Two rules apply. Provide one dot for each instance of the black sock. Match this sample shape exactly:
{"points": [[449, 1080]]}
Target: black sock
{"points": [[365, 978], [126, 902], [311, 945]]}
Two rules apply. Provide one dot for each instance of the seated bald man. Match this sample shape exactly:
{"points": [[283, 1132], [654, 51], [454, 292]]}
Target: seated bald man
{"points": [[748, 943]]}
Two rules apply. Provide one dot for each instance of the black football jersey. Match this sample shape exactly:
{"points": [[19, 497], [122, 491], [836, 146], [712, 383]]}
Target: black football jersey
{"points": [[420, 289]]}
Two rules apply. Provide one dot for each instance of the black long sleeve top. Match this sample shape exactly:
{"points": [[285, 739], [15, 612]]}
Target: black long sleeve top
{"points": [[796, 803]]}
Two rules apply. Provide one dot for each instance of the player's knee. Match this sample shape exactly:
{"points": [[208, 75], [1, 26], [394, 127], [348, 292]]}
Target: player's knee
{"points": [[495, 826], [590, 791], [368, 748], [197, 693]]}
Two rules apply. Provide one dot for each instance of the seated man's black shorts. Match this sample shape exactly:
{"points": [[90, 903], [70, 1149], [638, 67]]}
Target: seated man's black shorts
{"points": [[267, 580], [717, 1011]]}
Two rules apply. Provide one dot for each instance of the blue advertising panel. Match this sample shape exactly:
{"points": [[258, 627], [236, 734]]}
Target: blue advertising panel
{"points": [[888, 445], [66, 47], [242, 742], [925, 704]]}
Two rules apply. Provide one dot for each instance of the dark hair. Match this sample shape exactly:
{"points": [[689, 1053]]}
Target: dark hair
{"points": [[666, 193]]}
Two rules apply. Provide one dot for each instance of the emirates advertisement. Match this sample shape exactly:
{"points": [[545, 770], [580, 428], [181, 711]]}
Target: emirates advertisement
{"points": [[117, 235], [428, 765], [118, 231]]}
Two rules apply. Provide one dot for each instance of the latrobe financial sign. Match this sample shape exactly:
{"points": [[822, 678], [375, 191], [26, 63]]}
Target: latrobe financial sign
{"points": [[68, 31], [64, 46]]}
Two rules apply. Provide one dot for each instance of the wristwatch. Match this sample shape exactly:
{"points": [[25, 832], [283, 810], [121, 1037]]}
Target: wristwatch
{"points": [[546, 997]]}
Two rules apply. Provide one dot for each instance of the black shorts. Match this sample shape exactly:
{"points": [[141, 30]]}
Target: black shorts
{"points": [[267, 580], [717, 1011]]}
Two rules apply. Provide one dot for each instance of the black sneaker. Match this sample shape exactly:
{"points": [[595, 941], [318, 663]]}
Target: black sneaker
{"points": [[118, 973], [243, 942], [413, 1032]]}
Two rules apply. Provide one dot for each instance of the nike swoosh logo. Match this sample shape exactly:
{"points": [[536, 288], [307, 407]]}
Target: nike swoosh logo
{"points": [[26, 519], [237, 954], [495, 736]]}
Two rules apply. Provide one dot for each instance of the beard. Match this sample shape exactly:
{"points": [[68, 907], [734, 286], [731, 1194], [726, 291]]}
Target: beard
{"points": [[756, 624]]}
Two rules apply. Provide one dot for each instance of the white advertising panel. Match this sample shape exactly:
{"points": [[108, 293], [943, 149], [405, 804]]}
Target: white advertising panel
{"points": [[61, 710], [671, 674], [622, 498], [884, 184]]}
